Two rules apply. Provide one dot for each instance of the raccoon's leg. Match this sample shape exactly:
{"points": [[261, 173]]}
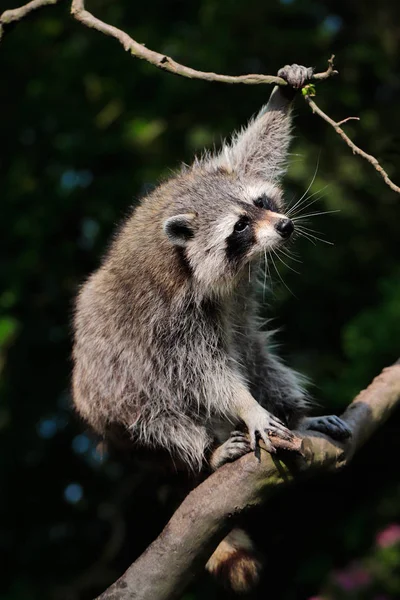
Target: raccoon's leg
{"points": [[331, 425], [235, 562], [284, 389], [183, 438], [280, 389], [235, 446]]}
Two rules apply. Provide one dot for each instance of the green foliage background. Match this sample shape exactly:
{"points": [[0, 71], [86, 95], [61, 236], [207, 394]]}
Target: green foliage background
{"points": [[85, 130]]}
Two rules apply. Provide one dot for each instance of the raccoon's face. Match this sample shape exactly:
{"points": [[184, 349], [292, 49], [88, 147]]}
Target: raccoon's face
{"points": [[230, 227]]}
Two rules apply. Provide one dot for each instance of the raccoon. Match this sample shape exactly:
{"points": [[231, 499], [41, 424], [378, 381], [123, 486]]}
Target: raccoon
{"points": [[167, 348]]}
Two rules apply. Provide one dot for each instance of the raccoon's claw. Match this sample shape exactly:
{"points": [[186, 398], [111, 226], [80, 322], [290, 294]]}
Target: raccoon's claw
{"points": [[236, 446], [331, 425], [261, 424], [278, 429], [296, 75]]}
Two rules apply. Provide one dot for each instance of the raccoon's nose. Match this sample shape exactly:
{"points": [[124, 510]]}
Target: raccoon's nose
{"points": [[284, 227]]}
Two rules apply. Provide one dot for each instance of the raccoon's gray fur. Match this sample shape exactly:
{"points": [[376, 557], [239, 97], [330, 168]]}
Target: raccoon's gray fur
{"points": [[167, 346]]}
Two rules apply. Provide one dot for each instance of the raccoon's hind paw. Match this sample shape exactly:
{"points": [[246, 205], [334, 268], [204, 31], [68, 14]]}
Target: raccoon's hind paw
{"points": [[235, 446], [331, 425]]}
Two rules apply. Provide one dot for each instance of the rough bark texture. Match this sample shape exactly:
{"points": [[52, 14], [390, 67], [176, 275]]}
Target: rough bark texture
{"points": [[177, 556]]}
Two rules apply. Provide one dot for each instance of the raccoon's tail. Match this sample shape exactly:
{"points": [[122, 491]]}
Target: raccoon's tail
{"points": [[235, 563]]}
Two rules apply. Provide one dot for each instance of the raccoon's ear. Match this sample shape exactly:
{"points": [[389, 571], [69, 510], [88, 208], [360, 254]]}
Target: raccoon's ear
{"points": [[179, 229], [260, 149]]}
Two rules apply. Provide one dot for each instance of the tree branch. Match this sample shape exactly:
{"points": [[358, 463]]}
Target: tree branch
{"points": [[180, 552], [162, 61], [356, 150], [16, 14], [166, 63]]}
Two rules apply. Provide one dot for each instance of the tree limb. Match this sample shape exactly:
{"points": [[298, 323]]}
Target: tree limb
{"points": [[177, 556], [162, 61], [168, 64], [356, 150], [16, 14]]}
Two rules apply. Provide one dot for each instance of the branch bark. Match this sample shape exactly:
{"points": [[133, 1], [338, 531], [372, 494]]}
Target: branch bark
{"points": [[177, 556], [166, 63], [16, 14], [356, 150]]}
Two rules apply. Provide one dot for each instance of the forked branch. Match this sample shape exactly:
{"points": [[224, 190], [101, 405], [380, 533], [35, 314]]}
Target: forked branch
{"points": [[179, 554], [356, 150], [166, 63]]}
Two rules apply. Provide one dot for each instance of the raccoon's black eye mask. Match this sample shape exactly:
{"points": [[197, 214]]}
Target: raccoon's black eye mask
{"points": [[267, 203]]}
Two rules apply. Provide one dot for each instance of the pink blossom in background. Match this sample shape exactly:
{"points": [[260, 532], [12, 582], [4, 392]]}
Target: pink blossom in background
{"points": [[388, 536], [352, 578]]}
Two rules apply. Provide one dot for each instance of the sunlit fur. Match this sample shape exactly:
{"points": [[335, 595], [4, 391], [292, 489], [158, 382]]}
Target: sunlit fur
{"points": [[167, 345], [163, 333]]}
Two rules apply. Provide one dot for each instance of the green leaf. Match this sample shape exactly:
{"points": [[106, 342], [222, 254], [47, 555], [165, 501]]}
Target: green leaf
{"points": [[309, 90]]}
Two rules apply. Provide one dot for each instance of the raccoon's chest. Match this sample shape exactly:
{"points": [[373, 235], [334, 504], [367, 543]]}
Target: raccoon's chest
{"points": [[243, 336]]}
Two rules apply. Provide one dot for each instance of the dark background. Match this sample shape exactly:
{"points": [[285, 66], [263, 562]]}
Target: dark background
{"points": [[85, 129]]}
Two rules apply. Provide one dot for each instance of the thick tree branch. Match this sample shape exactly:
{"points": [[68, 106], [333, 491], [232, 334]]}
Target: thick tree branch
{"points": [[208, 512], [16, 14]]}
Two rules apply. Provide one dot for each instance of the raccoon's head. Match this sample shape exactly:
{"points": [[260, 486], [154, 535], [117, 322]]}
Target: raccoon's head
{"points": [[228, 210], [224, 223]]}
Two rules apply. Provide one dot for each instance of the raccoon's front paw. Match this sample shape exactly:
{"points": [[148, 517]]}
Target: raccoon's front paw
{"points": [[236, 446], [261, 424], [296, 75], [330, 425]]}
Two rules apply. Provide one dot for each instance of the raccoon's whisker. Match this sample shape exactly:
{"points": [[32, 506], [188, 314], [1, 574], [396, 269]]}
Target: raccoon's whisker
{"points": [[290, 255], [315, 214], [279, 275], [270, 277], [308, 189], [303, 206], [309, 228], [300, 205], [285, 263], [306, 232], [302, 234], [311, 231], [266, 270], [265, 275]]}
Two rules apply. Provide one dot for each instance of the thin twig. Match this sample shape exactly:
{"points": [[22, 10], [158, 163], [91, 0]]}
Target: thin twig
{"points": [[166, 63], [328, 73], [348, 119], [356, 150], [16, 14]]}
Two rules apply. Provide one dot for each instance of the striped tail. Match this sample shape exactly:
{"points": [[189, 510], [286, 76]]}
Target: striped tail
{"points": [[235, 563]]}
